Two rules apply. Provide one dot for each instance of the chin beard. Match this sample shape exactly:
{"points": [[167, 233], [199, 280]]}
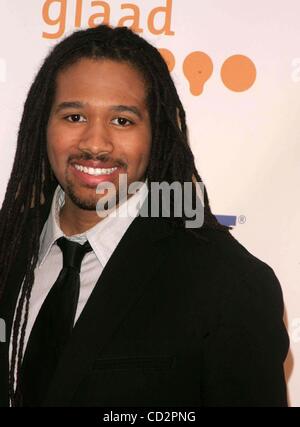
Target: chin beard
{"points": [[88, 204]]}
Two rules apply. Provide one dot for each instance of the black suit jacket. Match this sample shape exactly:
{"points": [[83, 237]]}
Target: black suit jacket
{"points": [[173, 321]]}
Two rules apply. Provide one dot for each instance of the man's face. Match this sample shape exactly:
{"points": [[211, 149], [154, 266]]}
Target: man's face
{"points": [[99, 127]]}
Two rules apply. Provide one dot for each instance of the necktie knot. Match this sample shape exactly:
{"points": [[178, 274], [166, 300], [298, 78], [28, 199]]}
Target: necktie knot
{"points": [[73, 252]]}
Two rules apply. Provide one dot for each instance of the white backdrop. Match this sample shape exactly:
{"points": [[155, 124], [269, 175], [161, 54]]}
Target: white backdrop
{"points": [[244, 126]]}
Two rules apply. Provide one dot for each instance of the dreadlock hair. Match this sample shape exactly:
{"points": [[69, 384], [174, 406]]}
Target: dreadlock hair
{"points": [[32, 183]]}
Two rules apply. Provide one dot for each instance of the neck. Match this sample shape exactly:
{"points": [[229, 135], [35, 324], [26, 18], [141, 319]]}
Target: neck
{"points": [[74, 220]]}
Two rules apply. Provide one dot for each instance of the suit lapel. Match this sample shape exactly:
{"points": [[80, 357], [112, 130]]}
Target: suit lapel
{"points": [[122, 282]]}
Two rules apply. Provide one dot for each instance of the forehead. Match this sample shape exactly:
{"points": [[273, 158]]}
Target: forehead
{"points": [[100, 79]]}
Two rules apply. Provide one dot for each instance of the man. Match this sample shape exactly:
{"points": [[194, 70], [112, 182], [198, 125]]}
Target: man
{"points": [[125, 310]]}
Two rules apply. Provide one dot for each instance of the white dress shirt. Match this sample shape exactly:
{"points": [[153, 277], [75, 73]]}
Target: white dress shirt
{"points": [[103, 238]]}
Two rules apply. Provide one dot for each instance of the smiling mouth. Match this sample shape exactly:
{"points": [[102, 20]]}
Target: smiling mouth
{"points": [[94, 171]]}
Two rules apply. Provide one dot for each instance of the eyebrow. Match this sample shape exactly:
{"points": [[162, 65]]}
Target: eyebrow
{"points": [[70, 104], [130, 108], [117, 108]]}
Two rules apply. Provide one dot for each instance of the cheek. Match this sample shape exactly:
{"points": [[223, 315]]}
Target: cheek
{"points": [[145, 156], [144, 159], [139, 159], [56, 146], [143, 150], [55, 151]]}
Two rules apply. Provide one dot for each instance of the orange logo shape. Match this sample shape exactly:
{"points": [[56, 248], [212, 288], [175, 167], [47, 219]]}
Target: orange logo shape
{"points": [[197, 68], [238, 73], [168, 57]]}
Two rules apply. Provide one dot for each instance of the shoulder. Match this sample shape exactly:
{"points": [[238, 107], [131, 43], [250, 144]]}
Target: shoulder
{"points": [[219, 248], [227, 267], [235, 290]]}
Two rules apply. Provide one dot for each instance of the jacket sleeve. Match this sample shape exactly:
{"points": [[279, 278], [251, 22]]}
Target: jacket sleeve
{"points": [[244, 354]]}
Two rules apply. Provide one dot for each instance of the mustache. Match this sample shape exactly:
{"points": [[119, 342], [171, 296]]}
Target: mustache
{"points": [[101, 157]]}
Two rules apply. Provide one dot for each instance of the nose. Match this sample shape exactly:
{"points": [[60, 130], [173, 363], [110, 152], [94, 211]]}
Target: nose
{"points": [[96, 138]]}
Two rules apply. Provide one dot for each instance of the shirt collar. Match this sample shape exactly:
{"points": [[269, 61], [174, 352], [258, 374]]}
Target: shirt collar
{"points": [[104, 236], [51, 230]]}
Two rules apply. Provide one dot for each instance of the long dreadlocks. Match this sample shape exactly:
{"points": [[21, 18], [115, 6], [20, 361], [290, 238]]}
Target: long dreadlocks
{"points": [[32, 182]]}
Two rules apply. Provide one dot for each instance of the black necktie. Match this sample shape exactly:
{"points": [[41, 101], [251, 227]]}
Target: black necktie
{"points": [[53, 327]]}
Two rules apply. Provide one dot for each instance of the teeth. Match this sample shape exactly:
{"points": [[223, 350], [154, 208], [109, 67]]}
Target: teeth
{"points": [[94, 171]]}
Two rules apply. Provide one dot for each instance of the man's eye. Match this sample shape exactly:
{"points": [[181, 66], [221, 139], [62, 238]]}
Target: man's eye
{"points": [[74, 118], [122, 121]]}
